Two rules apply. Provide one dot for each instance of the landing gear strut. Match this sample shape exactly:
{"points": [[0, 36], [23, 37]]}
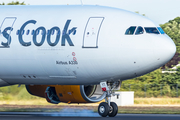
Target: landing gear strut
{"points": [[108, 108]]}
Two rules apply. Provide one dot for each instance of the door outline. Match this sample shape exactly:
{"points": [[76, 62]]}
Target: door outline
{"points": [[13, 18], [97, 32]]}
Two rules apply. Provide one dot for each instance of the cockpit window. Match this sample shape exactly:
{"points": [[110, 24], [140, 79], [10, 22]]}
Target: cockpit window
{"points": [[139, 30], [152, 30], [130, 31], [161, 30]]}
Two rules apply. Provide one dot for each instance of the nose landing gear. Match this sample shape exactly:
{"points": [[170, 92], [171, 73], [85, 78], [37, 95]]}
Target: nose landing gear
{"points": [[108, 108]]}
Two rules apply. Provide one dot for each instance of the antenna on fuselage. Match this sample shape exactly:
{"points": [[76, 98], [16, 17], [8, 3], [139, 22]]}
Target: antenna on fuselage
{"points": [[81, 2]]}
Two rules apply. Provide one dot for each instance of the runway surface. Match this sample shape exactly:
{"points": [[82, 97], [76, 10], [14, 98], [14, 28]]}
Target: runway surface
{"points": [[81, 116]]}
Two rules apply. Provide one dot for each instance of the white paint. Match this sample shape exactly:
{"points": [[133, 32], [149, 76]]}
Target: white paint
{"points": [[169, 71], [117, 56], [126, 98]]}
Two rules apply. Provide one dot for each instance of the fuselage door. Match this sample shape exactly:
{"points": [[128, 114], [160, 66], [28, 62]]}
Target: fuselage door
{"points": [[5, 31], [91, 32]]}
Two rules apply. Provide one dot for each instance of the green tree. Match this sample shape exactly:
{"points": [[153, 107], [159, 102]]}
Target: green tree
{"points": [[139, 13], [172, 29], [2, 4], [14, 3]]}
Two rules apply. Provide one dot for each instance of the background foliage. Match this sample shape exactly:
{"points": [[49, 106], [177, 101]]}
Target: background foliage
{"points": [[14, 3]]}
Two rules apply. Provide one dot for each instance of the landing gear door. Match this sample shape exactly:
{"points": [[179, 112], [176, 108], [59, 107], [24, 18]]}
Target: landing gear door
{"points": [[91, 32], [5, 31]]}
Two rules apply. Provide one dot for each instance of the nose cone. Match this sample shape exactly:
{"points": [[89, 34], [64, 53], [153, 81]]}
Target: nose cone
{"points": [[164, 49], [171, 48]]}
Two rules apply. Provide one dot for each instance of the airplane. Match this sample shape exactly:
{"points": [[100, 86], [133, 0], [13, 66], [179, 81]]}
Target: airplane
{"points": [[78, 53]]}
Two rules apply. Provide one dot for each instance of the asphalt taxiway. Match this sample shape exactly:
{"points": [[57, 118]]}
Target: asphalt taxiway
{"points": [[82, 116]]}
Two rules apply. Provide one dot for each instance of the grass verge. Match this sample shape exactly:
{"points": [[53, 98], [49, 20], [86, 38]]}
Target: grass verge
{"points": [[157, 101], [137, 101]]}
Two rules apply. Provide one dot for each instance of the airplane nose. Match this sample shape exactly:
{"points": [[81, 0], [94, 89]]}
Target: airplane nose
{"points": [[171, 48], [164, 49]]}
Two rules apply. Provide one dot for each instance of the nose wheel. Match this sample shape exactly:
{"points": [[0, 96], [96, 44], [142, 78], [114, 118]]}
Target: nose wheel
{"points": [[105, 110], [113, 109], [108, 108]]}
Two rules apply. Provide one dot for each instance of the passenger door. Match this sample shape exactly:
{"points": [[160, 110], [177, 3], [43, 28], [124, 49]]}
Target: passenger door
{"points": [[90, 39]]}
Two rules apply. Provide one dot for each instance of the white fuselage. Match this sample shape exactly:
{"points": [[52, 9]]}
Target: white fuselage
{"points": [[87, 45]]}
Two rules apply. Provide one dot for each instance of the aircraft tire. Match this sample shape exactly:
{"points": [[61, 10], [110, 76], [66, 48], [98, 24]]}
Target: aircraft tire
{"points": [[113, 109], [103, 109]]}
